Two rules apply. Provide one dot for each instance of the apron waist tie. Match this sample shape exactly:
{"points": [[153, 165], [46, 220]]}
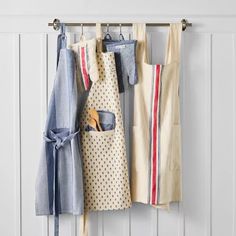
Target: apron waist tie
{"points": [[59, 137]]}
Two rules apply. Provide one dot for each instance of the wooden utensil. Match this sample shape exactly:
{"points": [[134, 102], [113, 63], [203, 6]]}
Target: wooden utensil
{"points": [[93, 123], [94, 114]]}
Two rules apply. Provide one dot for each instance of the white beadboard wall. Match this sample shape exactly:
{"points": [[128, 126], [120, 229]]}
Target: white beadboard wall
{"points": [[208, 113]]}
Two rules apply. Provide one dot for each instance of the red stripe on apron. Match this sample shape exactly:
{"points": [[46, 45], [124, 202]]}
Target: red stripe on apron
{"points": [[84, 70], [155, 137]]}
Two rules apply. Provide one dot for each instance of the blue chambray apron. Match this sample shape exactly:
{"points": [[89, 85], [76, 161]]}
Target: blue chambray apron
{"points": [[59, 183]]}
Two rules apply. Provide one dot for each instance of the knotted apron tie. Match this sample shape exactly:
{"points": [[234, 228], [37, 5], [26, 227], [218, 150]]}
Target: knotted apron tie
{"points": [[59, 137]]}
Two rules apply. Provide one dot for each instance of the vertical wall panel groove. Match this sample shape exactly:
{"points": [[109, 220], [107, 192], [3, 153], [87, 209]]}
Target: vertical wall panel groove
{"points": [[32, 73], [209, 135], [234, 139], [222, 134], [194, 132], [44, 101], [184, 120], [17, 134], [181, 230], [100, 224], [9, 139]]}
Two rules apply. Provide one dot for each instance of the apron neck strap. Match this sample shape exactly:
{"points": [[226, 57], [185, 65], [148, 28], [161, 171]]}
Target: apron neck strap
{"points": [[62, 28], [99, 37], [139, 33], [62, 36], [173, 43], [61, 41]]}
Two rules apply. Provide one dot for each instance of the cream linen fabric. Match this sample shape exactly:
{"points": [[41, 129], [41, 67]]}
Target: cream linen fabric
{"points": [[169, 135]]}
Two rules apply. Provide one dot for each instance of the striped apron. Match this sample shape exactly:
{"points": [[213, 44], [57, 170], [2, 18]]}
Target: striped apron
{"points": [[156, 139]]}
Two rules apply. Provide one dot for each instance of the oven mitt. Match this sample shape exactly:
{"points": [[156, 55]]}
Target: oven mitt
{"points": [[86, 58], [125, 57], [107, 121]]}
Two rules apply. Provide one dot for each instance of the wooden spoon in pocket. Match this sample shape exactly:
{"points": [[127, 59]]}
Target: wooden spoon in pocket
{"points": [[93, 123], [94, 114]]}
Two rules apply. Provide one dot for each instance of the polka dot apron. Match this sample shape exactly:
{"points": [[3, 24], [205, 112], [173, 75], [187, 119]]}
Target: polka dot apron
{"points": [[105, 170]]}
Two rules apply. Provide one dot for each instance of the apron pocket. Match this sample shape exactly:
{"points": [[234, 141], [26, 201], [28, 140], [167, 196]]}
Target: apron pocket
{"points": [[95, 143], [175, 160], [107, 121]]}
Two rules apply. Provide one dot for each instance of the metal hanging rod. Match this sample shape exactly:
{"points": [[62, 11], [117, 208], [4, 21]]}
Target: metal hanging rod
{"points": [[56, 24]]}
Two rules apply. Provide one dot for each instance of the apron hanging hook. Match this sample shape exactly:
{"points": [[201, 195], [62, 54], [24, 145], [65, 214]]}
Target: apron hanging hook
{"points": [[107, 29], [82, 29], [121, 36], [107, 36]]}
